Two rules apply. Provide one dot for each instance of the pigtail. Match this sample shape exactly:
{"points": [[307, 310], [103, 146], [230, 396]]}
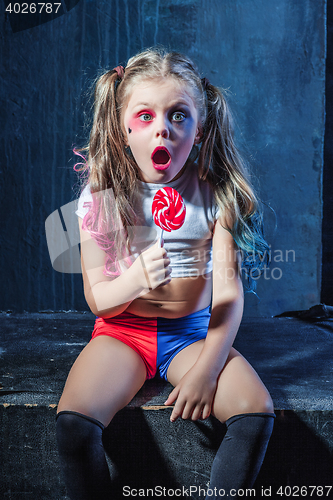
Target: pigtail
{"points": [[222, 165], [106, 142], [112, 175]]}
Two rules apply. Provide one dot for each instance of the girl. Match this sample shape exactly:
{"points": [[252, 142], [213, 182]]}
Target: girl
{"points": [[173, 307]]}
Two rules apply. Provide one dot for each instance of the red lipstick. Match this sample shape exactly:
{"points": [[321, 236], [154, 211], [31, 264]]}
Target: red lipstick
{"points": [[161, 158]]}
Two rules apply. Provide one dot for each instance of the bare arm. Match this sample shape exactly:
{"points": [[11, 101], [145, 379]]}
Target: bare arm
{"points": [[227, 303], [195, 391], [108, 297]]}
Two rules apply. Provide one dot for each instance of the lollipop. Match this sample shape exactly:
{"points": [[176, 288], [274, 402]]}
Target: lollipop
{"points": [[168, 209]]}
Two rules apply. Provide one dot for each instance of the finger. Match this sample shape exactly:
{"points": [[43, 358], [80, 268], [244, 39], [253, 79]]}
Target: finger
{"points": [[159, 244], [166, 282], [187, 411], [167, 261], [155, 252], [159, 254], [172, 397], [206, 412], [197, 412], [178, 408], [163, 274], [177, 411]]}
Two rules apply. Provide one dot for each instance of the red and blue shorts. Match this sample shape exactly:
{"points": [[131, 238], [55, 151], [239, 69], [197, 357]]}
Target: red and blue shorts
{"points": [[156, 340]]}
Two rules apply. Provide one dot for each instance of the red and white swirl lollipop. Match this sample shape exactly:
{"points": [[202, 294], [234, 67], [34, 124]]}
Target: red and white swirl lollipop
{"points": [[168, 209]]}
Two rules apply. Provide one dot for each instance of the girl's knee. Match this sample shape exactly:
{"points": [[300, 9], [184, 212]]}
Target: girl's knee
{"points": [[241, 390], [269, 405], [255, 403]]}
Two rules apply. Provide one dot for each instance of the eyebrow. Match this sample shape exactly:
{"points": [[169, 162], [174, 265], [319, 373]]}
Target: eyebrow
{"points": [[173, 104], [179, 102]]}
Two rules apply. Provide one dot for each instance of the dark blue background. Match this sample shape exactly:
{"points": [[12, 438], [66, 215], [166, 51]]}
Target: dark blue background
{"points": [[271, 58]]}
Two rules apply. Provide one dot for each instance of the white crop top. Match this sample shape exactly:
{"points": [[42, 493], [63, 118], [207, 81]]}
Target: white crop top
{"points": [[189, 248]]}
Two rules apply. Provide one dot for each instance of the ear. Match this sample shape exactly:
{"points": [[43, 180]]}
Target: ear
{"points": [[199, 135]]}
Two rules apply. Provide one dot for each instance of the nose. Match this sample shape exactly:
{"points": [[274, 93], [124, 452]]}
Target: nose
{"points": [[162, 129]]}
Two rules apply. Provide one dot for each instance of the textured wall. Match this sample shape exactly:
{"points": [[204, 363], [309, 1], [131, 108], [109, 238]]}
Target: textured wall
{"points": [[327, 252], [271, 57]]}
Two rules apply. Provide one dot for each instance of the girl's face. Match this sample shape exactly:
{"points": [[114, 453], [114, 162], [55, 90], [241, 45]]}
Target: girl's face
{"points": [[161, 124]]}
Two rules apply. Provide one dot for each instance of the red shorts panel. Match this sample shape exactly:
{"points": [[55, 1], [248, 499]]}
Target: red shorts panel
{"points": [[137, 332]]}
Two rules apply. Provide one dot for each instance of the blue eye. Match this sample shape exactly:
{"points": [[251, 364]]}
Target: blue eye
{"points": [[145, 117], [178, 116]]}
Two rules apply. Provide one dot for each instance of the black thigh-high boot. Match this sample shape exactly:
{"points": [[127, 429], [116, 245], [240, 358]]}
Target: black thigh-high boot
{"points": [[82, 456], [241, 453]]}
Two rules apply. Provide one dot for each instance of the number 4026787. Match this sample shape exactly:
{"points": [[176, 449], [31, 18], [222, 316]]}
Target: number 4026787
{"points": [[304, 491], [33, 8]]}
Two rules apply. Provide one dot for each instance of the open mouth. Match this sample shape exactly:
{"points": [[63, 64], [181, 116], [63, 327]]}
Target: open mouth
{"points": [[161, 158]]}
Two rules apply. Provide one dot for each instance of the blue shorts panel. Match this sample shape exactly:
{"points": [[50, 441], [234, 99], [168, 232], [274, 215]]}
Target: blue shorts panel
{"points": [[173, 335]]}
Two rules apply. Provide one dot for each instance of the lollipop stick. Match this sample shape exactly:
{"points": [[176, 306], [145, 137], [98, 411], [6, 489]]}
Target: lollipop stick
{"points": [[161, 237]]}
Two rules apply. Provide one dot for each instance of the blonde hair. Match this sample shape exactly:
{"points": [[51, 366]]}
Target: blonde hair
{"points": [[219, 162]]}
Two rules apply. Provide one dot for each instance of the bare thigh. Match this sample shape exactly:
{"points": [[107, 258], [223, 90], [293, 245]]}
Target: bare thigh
{"points": [[239, 388], [104, 378]]}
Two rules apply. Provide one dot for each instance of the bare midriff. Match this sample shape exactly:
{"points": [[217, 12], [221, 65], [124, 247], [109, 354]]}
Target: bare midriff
{"points": [[180, 297]]}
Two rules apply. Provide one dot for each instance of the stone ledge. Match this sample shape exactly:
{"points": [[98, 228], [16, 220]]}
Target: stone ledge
{"points": [[148, 451], [293, 357]]}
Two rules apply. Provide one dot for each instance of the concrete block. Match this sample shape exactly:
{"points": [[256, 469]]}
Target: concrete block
{"points": [[147, 451]]}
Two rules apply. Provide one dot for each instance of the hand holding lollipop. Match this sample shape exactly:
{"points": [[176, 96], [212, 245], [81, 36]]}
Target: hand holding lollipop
{"points": [[168, 210]]}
